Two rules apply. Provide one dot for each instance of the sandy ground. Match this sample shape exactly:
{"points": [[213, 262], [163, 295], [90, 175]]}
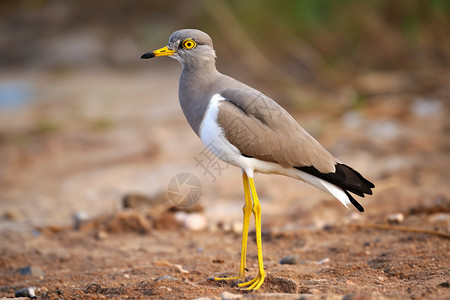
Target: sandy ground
{"points": [[92, 137]]}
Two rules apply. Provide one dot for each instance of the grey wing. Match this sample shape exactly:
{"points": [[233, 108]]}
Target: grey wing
{"points": [[262, 129]]}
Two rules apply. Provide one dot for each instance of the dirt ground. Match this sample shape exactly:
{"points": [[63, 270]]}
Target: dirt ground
{"points": [[90, 138]]}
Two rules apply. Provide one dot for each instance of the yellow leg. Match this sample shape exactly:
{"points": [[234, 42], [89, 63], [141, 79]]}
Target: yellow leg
{"points": [[247, 209], [256, 283]]}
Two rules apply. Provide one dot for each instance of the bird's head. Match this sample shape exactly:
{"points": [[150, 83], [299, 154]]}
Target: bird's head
{"points": [[191, 47]]}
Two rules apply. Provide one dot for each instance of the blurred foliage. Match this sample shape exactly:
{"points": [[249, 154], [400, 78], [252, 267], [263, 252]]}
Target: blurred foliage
{"points": [[321, 43], [371, 33]]}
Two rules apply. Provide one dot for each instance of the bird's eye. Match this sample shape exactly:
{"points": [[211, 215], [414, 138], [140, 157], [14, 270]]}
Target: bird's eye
{"points": [[189, 44]]}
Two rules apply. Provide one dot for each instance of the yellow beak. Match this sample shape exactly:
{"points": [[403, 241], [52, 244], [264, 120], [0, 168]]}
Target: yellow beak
{"points": [[160, 52]]}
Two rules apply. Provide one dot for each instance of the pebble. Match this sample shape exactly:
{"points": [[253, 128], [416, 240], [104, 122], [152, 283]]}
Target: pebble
{"points": [[101, 235], [32, 271], [439, 217], [237, 227], [290, 260], [138, 201], [425, 108], [445, 284], [181, 269], [230, 296], [26, 292], [354, 216], [79, 218], [285, 285], [11, 215], [165, 277], [396, 218], [323, 261], [314, 291], [192, 221]]}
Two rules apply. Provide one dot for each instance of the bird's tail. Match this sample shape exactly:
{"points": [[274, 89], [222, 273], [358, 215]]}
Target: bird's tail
{"points": [[339, 183]]}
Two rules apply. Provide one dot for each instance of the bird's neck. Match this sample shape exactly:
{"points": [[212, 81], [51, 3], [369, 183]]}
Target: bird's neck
{"points": [[194, 92]]}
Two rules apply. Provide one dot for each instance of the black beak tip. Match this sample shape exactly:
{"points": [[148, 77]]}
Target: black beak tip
{"points": [[147, 55]]}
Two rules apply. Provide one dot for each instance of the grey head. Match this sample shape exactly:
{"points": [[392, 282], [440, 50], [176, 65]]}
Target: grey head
{"points": [[191, 47]]}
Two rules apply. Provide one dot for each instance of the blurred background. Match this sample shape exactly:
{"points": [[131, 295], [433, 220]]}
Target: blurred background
{"points": [[92, 142], [84, 121]]}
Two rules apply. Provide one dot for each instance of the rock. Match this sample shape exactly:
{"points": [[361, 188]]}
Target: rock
{"points": [[237, 227], [384, 130], [193, 221], [32, 271], [28, 292], [314, 291], [286, 285], [101, 235], [396, 218], [358, 296], [11, 215], [290, 260], [138, 201], [230, 296], [445, 284], [323, 261], [41, 291], [425, 108], [79, 218], [181, 269], [165, 277], [439, 217], [354, 217]]}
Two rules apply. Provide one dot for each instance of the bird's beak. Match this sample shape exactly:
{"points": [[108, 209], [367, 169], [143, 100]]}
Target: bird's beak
{"points": [[160, 52]]}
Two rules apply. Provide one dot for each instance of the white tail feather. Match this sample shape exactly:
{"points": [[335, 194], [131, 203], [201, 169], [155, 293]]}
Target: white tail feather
{"points": [[325, 186]]}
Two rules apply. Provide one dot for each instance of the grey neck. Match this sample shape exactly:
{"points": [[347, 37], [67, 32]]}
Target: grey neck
{"points": [[196, 88]]}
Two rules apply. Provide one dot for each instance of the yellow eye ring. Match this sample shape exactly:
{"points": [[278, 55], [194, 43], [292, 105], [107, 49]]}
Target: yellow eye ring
{"points": [[189, 44]]}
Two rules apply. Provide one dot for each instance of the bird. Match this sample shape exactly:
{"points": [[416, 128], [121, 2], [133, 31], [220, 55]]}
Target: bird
{"points": [[247, 129]]}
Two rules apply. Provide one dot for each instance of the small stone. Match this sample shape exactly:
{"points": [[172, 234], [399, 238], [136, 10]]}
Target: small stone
{"points": [[226, 227], [138, 201], [396, 218], [165, 277], [290, 260], [32, 271], [11, 215], [28, 292], [41, 291], [230, 296], [349, 282], [425, 108], [354, 217], [445, 284], [101, 235], [323, 261], [362, 297], [126, 275], [439, 217], [181, 269], [285, 285], [314, 291], [237, 227], [192, 221], [79, 218]]}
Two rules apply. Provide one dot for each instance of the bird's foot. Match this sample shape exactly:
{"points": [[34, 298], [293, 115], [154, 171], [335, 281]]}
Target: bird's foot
{"points": [[255, 283]]}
